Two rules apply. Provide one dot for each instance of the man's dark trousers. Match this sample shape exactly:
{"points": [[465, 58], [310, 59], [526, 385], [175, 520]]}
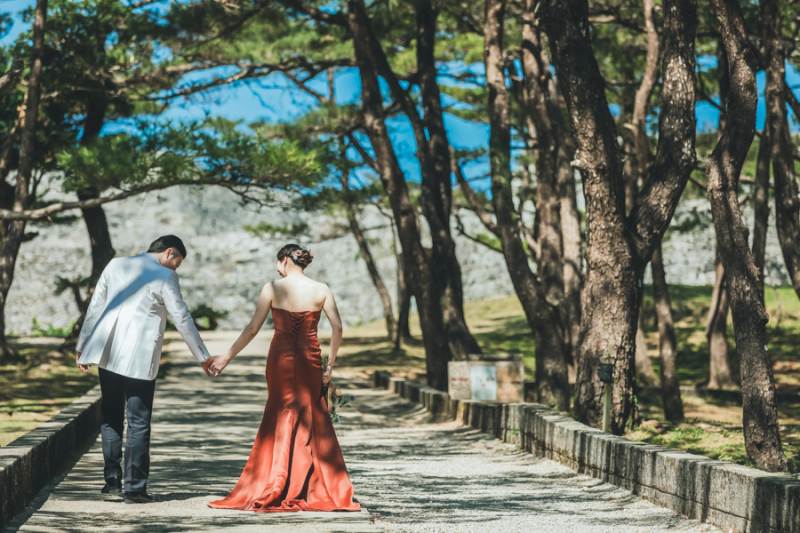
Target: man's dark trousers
{"points": [[138, 393]]}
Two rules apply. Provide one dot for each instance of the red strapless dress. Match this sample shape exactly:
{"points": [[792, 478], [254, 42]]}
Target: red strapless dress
{"points": [[296, 463]]}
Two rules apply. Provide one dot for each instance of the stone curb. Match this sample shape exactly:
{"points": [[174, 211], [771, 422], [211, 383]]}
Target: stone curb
{"points": [[724, 494], [28, 463]]}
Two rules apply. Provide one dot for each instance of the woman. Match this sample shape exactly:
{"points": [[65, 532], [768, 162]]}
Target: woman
{"points": [[296, 463]]}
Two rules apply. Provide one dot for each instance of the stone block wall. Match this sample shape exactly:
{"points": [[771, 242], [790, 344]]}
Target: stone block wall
{"points": [[30, 462]]}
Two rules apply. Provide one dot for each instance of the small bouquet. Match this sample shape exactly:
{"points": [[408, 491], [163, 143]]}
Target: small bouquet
{"points": [[334, 397]]}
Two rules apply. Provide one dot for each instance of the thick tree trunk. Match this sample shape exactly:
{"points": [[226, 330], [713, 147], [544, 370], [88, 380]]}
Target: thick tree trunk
{"points": [[761, 209], [537, 68], [645, 375], [668, 345], [617, 246], [760, 413], [437, 348], [551, 359], [551, 375], [610, 286], [403, 332], [787, 202], [573, 255], [22, 192], [366, 254], [641, 158], [436, 197], [95, 218], [720, 375]]}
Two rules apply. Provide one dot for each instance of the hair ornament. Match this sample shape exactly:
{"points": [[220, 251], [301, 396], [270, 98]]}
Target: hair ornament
{"points": [[297, 254]]}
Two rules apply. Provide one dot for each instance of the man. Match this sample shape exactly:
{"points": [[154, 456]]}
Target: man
{"points": [[122, 335]]}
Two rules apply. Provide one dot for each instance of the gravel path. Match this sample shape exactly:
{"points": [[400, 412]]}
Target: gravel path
{"points": [[412, 476], [419, 477]]}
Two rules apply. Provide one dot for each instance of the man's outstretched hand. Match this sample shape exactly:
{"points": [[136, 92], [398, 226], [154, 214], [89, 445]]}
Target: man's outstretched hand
{"points": [[205, 364], [84, 368]]}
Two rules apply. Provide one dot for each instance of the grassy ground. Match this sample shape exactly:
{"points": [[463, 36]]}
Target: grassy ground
{"points": [[712, 428], [33, 391]]}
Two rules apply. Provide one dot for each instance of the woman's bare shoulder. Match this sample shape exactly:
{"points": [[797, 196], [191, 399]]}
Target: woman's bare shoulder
{"points": [[324, 290]]}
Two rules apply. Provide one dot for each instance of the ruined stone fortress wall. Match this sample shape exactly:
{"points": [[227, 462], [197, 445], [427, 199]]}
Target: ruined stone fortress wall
{"points": [[227, 266]]}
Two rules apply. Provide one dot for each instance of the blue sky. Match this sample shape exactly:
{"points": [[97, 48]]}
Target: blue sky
{"points": [[275, 99]]}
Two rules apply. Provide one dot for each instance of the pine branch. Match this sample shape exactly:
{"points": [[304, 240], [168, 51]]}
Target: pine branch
{"points": [[338, 18], [462, 232], [472, 198], [47, 212], [257, 71]]}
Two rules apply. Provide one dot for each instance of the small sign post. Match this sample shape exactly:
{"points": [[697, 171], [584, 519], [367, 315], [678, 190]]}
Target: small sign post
{"points": [[607, 377]]}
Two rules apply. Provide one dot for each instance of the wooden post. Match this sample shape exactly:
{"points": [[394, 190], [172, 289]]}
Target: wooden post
{"points": [[607, 407]]}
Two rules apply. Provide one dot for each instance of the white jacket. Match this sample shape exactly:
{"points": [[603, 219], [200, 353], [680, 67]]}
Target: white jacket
{"points": [[124, 327]]}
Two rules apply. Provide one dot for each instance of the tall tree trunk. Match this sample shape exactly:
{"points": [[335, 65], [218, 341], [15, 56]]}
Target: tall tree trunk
{"points": [[95, 217], [433, 153], [618, 247], [760, 412], [6, 189], [552, 376], [22, 191], [645, 374], [537, 69], [551, 360], [366, 254], [720, 375], [761, 209], [573, 255], [436, 186], [403, 332], [787, 202], [644, 368], [668, 346], [437, 348]]}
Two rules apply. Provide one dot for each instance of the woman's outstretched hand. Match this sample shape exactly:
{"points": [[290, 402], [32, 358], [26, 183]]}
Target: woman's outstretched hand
{"points": [[326, 376], [219, 364]]}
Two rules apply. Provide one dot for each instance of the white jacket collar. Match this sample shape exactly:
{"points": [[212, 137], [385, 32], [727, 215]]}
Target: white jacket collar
{"points": [[151, 256]]}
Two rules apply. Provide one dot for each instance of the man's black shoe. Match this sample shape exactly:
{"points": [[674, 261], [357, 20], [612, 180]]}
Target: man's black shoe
{"points": [[113, 485], [139, 497]]}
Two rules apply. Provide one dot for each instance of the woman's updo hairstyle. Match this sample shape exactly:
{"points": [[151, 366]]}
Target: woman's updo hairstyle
{"points": [[301, 255]]}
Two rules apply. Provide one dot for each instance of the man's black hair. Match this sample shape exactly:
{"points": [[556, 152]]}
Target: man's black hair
{"points": [[167, 241]]}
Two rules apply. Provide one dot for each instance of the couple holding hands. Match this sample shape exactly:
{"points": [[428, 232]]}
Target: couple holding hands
{"points": [[296, 463]]}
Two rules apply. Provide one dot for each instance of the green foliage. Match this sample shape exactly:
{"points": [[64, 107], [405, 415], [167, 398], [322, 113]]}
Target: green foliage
{"points": [[200, 153], [206, 317], [50, 331], [265, 229]]}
